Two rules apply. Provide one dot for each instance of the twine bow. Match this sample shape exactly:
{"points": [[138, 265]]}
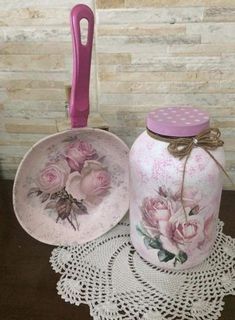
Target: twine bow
{"points": [[208, 140]]}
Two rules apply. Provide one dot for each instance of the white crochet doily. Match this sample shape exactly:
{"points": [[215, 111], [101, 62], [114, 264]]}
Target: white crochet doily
{"points": [[116, 283]]}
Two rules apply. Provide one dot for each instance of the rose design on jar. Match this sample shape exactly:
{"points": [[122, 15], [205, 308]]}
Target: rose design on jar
{"points": [[171, 229]]}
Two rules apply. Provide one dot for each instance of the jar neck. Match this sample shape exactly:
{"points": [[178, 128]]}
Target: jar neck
{"points": [[164, 138]]}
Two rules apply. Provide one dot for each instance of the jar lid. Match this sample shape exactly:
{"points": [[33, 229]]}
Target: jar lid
{"points": [[178, 121]]}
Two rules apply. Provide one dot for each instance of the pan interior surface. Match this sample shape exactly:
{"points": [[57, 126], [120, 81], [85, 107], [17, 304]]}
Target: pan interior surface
{"points": [[72, 187]]}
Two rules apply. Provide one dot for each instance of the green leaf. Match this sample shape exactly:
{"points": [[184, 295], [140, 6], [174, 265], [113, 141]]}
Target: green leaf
{"points": [[44, 197], [165, 256], [51, 205], [152, 243], [142, 226], [139, 230], [182, 256], [194, 211], [53, 196], [79, 209], [34, 191], [142, 232]]}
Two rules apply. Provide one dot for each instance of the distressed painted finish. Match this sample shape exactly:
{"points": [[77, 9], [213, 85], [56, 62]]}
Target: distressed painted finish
{"points": [[147, 53]]}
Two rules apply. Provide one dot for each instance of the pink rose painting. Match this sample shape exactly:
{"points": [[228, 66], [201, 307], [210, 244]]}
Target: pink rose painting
{"points": [[72, 183], [92, 184], [171, 229], [78, 152], [52, 178]]}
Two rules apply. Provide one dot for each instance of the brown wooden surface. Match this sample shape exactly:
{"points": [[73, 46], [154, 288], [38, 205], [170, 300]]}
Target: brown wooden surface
{"points": [[27, 282]]}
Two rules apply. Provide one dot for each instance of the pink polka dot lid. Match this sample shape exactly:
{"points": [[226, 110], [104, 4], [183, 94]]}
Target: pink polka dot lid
{"points": [[178, 121]]}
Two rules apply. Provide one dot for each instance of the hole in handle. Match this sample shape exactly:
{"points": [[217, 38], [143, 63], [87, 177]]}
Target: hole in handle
{"points": [[84, 31]]}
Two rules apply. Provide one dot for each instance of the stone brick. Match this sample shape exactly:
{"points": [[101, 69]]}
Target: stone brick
{"points": [[107, 4]]}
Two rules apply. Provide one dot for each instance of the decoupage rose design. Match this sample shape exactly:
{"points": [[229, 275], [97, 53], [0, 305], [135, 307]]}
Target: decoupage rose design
{"points": [[91, 184], [78, 152], [52, 178], [74, 181], [175, 233]]}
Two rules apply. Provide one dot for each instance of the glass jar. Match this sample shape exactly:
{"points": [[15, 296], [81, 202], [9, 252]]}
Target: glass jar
{"points": [[175, 200]]}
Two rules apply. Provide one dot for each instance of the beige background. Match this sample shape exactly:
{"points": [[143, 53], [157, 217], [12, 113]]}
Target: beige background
{"points": [[146, 54]]}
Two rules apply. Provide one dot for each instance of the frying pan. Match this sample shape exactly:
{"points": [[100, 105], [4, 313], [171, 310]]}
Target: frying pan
{"points": [[72, 186]]}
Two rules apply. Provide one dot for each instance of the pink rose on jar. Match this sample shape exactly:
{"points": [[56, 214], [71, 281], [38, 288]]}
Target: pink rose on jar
{"points": [[78, 152], [53, 177], [92, 184], [156, 214], [181, 233], [175, 232]]}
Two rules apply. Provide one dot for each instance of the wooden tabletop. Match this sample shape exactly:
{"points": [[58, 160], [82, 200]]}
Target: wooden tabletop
{"points": [[27, 282]]}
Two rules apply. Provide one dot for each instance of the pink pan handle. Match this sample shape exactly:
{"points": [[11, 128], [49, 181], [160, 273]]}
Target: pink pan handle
{"points": [[79, 99]]}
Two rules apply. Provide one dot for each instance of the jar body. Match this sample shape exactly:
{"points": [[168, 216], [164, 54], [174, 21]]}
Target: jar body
{"points": [[171, 229]]}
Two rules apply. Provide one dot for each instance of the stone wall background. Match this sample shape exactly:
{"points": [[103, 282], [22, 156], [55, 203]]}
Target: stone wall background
{"points": [[146, 54]]}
